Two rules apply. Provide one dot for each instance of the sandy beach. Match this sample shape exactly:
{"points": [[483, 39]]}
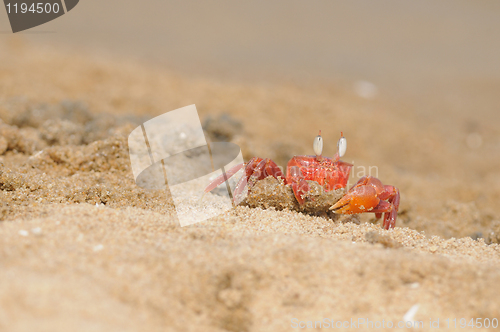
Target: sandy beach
{"points": [[82, 247]]}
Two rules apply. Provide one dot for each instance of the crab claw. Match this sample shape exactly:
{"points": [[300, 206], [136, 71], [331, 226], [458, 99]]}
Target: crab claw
{"points": [[298, 183], [358, 200]]}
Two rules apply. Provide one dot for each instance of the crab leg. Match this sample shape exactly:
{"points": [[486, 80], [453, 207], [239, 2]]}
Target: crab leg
{"points": [[223, 177], [242, 186], [256, 169], [390, 208], [370, 195], [298, 183], [393, 196], [249, 168], [296, 179]]}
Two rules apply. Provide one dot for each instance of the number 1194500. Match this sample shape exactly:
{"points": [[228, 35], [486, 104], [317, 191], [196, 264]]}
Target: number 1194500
{"points": [[41, 7]]}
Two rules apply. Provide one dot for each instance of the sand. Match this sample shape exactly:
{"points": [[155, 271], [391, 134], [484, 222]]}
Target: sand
{"points": [[84, 248]]}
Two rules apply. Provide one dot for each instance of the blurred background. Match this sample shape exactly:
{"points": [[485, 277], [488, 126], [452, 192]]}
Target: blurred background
{"points": [[409, 45], [413, 84]]}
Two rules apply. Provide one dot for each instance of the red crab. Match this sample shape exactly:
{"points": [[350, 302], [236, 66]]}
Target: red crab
{"points": [[367, 195]]}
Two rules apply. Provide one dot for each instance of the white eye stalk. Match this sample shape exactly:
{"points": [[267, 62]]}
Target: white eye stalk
{"points": [[318, 145], [342, 146]]}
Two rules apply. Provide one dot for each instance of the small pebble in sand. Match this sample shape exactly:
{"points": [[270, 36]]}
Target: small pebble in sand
{"points": [[36, 230], [98, 247], [23, 232], [410, 314]]}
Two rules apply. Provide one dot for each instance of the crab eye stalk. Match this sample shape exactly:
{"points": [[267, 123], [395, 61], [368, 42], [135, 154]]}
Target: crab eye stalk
{"points": [[342, 146], [318, 145]]}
